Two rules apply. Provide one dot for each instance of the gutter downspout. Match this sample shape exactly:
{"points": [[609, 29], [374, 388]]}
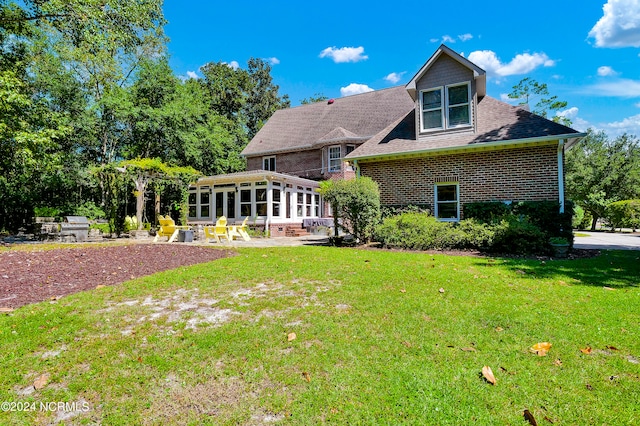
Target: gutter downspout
{"points": [[355, 164], [561, 174]]}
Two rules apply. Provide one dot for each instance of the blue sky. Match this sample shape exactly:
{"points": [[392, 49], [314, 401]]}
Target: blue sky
{"points": [[588, 52]]}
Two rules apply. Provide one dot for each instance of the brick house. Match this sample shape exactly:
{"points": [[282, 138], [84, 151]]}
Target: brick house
{"points": [[439, 142]]}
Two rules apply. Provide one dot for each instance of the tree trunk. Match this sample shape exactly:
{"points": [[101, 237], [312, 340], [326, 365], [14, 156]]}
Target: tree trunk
{"points": [[594, 221]]}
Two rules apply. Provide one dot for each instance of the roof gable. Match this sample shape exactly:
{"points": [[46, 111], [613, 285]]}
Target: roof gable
{"points": [[478, 73]]}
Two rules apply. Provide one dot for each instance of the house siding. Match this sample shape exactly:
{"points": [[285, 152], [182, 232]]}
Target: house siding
{"points": [[443, 72], [306, 164], [521, 174]]}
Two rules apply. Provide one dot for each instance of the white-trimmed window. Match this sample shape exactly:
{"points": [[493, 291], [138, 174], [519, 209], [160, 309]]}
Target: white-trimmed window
{"points": [[447, 201], [335, 158], [445, 107], [269, 163]]}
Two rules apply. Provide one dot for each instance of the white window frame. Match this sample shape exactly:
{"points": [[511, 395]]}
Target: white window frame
{"points": [[267, 161], [423, 110], [436, 203], [332, 160], [444, 107]]}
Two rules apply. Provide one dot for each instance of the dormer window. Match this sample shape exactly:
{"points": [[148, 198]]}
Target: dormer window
{"points": [[445, 107]]}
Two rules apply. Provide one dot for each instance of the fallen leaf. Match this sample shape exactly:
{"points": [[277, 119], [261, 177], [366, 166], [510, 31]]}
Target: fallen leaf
{"points": [[407, 344], [612, 348], [529, 417], [54, 297], [307, 376], [549, 420], [441, 290], [488, 375], [608, 288], [541, 348], [586, 350], [469, 349], [403, 291], [291, 336], [499, 329], [589, 387], [557, 362], [41, 381]]}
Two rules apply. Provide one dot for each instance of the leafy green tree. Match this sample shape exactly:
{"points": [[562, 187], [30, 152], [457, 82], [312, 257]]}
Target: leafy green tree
{"points": [[355, 204], [600, 171], [263, 98], [528, 89], [318, 97]]}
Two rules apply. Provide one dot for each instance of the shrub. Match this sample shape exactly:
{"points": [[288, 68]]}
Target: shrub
{"points": [[356, 205], [518, 236], [394, 210], [486, 211], [90, 210], [47, 211], [578, 217], [419, 231], [624, 214]]}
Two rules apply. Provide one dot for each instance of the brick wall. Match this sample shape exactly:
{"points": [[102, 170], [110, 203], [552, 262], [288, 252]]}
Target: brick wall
{"points": [[306, 164], [500, 175]]}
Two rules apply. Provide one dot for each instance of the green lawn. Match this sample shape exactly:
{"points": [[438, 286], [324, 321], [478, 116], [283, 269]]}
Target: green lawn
{"points": [[380, 338]]}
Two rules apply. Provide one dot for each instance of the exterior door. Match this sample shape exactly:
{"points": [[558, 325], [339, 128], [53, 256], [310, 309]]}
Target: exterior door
{"points": [[225, 203]]}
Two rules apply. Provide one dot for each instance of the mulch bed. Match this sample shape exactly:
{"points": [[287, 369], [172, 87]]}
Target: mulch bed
{"points": [[33, 276]]}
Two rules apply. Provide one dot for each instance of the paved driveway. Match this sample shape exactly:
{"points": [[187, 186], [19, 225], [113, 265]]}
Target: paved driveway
{"points": [[608, 240]]}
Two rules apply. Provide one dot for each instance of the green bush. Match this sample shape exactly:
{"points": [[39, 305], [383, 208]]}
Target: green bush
{"points": [[47, 212], [394, 210], [519, 236], [356, 205], [624, 214], [419, 231], [90, 210], [486, 211], [102, 227], [578, 217]]}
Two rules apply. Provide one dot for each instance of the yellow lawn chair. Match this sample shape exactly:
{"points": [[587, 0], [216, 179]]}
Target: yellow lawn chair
{"points": [[219, 230], [239, 230], [167, 229]]}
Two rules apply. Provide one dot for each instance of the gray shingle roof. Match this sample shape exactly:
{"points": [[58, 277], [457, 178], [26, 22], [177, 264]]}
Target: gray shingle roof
{"points": [[496, 122], [352, 117]]}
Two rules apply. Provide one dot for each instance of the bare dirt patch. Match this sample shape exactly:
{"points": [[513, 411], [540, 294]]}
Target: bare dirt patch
{"points": [[35, 276]]}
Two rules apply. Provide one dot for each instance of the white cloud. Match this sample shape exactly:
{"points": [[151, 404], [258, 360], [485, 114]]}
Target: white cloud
{"points": [[622, 88], [233, 64], [273, 60], [448, 39], [619, 26], [344, 54], [394, 77], [354, 89], [192, 74], [629, 125], [606, 71], [522, 63]]}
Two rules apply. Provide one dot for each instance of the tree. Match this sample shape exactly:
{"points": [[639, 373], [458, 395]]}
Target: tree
{"points": [[262, 97], [528, 88], [318, 97], [600, 171], [355, 204]]}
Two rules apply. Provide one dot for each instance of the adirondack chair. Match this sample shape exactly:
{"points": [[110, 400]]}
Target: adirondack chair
{"points": [[168, 228], [219, 230], [239, 230]]}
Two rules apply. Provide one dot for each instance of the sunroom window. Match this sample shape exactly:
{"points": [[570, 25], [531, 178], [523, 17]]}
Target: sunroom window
{"points": [[447, 202]]}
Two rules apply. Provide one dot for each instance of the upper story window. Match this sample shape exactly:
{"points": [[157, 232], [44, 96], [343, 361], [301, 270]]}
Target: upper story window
{"points": [[335, 159], [269, 163], [446, 107]]}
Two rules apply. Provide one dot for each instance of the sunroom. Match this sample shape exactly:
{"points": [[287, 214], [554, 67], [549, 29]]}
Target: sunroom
{"points": [[273, 201]]}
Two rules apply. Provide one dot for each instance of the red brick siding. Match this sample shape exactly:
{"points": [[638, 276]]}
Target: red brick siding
{"points": [[306, 164], [501, 175]]}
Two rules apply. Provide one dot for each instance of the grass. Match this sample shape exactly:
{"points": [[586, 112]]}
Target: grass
{"points": [[380, 338]]}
